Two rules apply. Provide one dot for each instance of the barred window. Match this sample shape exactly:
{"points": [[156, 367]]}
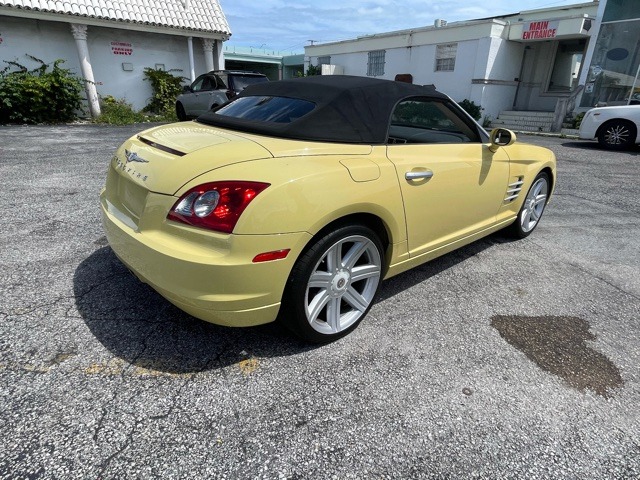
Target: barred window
{"points": [[375, 65], [324, 60], [446, 57]]}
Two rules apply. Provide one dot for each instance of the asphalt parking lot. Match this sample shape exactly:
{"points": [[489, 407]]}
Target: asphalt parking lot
{"points": [[501, 360]]}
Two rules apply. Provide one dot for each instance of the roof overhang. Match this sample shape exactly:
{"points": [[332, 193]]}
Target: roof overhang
{"points": [[274, 60], [106, 23]]}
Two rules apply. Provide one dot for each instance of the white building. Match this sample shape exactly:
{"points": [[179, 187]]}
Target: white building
{"points": [[526, 61], [110, 43]]}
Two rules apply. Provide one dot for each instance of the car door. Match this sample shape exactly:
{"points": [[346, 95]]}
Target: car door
{"points": [[190, 101], [202, 101], [452, 185]]}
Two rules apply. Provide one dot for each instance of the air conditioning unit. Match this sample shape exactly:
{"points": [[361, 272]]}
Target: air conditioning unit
{"points": [[439, 23]]}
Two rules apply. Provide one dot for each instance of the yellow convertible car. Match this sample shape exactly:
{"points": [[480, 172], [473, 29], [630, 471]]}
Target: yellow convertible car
{"points": [[297, 198]]}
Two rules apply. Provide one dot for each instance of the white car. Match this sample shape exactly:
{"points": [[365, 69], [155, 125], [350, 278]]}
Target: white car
{"points": [[615, 128]]}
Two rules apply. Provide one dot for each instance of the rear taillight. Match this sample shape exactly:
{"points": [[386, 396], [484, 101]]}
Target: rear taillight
{"points": [[216, 206]]}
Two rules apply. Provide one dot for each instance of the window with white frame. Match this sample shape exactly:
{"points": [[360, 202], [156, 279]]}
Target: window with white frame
{"points": [[324, 60], [446, 57], [375, 64]]}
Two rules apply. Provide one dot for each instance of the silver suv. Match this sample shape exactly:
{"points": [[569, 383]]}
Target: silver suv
{"points": [[213, 89]]}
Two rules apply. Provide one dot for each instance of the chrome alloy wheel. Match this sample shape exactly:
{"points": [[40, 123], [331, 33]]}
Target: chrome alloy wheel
{"points": [[534, 204], [343, 284], [617, 134]]}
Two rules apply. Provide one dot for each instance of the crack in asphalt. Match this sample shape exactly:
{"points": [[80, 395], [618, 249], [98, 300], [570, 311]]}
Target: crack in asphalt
{"points": [[105, 410], [174, 399], [624, 208], [26, 310], [127, 443], [604, 280], [96, 430], [590, 273]]}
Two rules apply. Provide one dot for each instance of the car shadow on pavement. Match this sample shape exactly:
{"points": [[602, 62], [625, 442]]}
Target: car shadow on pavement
{"points": [[139, 326], [594, 146], [419, 274]]}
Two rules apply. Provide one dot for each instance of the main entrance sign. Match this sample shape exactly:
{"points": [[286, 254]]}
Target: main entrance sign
{"points": [[540, 30]]}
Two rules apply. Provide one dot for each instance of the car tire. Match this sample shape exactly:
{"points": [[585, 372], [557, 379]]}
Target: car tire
{"points": [[333, 284], [617, 135], [180, 113], [532, 207]]}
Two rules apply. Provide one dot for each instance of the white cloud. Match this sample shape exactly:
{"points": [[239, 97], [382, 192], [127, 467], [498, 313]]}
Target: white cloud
{"points": [[371, 11], [283, 24]]}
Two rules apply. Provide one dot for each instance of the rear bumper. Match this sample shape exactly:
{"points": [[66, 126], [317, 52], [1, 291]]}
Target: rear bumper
{"points": [[208, 275]]}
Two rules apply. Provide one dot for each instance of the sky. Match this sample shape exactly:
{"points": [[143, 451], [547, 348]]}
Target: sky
{"points": [[287, 26]]}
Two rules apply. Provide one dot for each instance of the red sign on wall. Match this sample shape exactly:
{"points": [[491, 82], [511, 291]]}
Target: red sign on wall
{"points": [[540, 30], [121, 48]]}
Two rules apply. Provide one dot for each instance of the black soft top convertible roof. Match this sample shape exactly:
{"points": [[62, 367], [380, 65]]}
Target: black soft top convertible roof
{"points": [[348, 109]]}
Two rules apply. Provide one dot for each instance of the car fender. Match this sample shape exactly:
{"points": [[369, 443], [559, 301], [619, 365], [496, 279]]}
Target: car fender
{"points": [[308, 193], [525, 162], [218, 99]]}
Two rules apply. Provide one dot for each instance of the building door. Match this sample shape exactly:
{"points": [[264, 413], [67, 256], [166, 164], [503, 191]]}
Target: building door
{"points": [[549, 70], [567, 62]]}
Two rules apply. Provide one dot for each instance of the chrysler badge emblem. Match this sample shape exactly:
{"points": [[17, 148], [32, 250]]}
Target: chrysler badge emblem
{"points": [[134, 157]]}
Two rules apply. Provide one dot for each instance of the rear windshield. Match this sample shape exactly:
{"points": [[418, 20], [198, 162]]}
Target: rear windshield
{"points": [[267, 109], [240, 82]]}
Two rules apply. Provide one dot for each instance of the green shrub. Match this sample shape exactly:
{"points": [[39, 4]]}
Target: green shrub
{"points": [[471, 108], [118, 112], [46, 94], [166, 88], [314, 70], [577, 120]]}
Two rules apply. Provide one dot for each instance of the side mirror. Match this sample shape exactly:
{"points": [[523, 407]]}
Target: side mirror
{"points": [[186, 89], [501, 137]]}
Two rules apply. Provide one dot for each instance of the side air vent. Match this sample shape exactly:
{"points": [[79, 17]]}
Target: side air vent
{"points": [[513, 190]]}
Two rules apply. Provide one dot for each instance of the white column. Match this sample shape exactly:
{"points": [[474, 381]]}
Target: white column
{"points": [[192, 67], [207, 46], [80, 35], [218, 56]]}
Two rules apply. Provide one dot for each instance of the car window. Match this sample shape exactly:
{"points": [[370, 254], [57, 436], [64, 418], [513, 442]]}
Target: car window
{"points": [[221, 81], [208, 83], [240, 82], [267, 109], [424, 120], [197, 85]]}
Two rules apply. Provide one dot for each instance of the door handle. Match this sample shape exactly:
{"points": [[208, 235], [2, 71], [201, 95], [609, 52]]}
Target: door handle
{"points": [[418, 175]]}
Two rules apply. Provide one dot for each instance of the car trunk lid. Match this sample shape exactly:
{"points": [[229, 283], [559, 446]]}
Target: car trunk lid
{"points": [[163, 159]]}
